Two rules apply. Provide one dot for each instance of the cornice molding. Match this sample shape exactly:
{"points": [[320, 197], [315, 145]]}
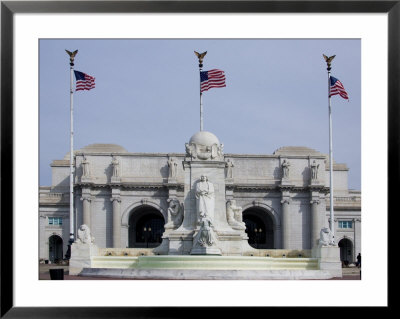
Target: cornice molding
{"points": [[132, 186]]}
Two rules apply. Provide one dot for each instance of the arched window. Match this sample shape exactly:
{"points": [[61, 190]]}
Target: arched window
{"points": [[55, 248], [146, 227], [259, 228]]}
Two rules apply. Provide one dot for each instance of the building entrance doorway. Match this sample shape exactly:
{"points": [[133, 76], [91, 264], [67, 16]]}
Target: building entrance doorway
{"points": [[346, 251], [55, 248], [259, 228], [146, 226]]}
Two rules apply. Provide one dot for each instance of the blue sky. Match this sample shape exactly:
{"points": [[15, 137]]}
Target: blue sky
{"points": [[147, 96]]}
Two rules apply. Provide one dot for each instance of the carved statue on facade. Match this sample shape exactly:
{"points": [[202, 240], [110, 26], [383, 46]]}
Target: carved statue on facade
{"points": [[203, 152], [229, 165], [190, 150], [175, 213], [326, 237], [221, 150], [173, 165], [115, 164], [84, 236], [205, 197], [234, 215], [205, 238], [215, 152], [285, 169], [314, 170], [85, 167]]}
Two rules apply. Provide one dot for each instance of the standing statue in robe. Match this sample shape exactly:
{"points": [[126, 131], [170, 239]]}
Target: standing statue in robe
{"points": [[205, 198], [314, 170], [115, 165], [85, 167], [229, 165], [285, 169], [172, 164]]}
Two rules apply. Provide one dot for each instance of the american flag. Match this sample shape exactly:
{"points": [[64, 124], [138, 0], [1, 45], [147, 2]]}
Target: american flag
{"points": [[337, 87], [84, 81], [212, 79]]}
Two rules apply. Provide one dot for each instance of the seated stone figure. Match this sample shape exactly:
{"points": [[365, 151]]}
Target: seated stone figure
{"points": [[234, 215], [84, 236], [175, 214], [205, 238]]}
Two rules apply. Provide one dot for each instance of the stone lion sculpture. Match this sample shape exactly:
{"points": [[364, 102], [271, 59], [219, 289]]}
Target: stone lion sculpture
{"points": [[84, 236], [325, 237]]}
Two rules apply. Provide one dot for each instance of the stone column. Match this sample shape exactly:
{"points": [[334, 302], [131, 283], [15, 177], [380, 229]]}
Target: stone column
{"points": [[315, 222], [116, 200], [278, 237], [357, 237], [285, 222], [87, 210]]}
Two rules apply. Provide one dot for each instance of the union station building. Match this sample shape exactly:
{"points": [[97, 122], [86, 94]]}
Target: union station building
{"points": [[125, 198]]}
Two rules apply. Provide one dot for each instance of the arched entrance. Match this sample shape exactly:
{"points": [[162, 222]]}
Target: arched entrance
{"points": [[55, 248], [346, 250], [146, 226], [259, 228]]}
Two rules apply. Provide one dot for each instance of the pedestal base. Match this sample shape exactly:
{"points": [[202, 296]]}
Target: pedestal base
{"points": [[286, 182], [229, 242], [115, 180], [81, 257], [328, 259], [198, 250]]}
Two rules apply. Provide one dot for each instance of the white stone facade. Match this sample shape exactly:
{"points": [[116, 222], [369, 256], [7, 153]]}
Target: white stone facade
{"points": [[290, 208]]}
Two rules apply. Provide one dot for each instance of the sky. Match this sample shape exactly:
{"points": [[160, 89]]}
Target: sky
{"points": [[147, 96]]}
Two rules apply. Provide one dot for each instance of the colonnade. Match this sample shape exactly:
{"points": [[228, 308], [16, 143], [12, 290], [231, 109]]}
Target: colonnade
{"points": [[116, 204], [317, 213]]}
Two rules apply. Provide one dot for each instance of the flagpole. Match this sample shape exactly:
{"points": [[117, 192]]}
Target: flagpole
{"points": [[201, 56], [331, 215], [201, 99], [201, 111], [71, 157]]}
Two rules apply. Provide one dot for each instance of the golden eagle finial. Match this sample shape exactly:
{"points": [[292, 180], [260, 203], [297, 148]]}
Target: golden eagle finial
{"points": [[72, 56], [200, 56], [328, 60]]}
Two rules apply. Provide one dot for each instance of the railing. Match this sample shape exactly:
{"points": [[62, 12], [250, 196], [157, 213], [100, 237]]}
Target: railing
{"points": [[53, 197], [347, 199]]}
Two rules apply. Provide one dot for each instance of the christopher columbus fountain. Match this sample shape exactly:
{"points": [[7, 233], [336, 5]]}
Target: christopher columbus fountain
{"points": [[209, 224], [204, 236]]}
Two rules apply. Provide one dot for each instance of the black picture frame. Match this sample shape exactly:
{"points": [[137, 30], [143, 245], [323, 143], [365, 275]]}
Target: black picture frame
{"points": [[9, 8]]}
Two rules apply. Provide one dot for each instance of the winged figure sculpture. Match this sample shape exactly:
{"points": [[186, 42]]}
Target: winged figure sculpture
{"points": [[72, 55], [328, 59], [200, 56]]}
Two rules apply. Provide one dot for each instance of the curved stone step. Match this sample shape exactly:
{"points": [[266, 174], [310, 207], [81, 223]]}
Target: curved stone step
{"points": [[191, 274]]}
